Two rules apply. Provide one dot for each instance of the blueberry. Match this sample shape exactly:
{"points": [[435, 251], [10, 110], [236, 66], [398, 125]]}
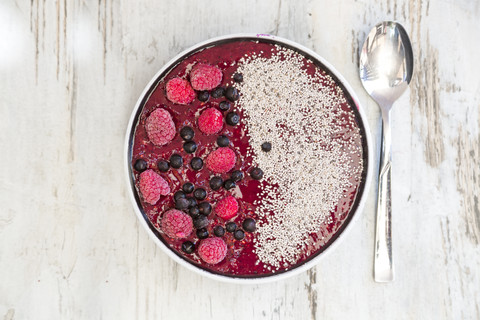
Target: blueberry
{"points": [[223, 141], [190, 146], [194, 212], [203, 96], [200, 222], [140, 165], [256, 173], [239, 234], [266, 146], [218, 92], [182, 204], [200, 193], [216, 183], [187, 133], [188, 247], [238, 77], [176, 161], [229, 184], [179, 195], [249, 225], [237, 175], [232, 94], [188, 187], [196, 163], [231, 226], [205, 208], [224, 105], [163, 165], [232, 118], [219, 231], [202, 233], [191, 202]]}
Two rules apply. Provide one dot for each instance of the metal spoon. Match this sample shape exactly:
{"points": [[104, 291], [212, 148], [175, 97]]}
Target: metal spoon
{"points": [[386, 67]]}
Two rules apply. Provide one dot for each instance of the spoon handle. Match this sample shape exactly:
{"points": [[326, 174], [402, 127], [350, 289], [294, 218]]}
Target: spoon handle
{"points": [[383, 266]]}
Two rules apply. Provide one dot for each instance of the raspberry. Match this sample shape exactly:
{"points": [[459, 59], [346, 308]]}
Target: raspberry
{"points": [[212, 250], [152, 186], [221, 160], [160, 127], [227, 208], [177, 224], [180, 91], [205, 77], [210, 121]]}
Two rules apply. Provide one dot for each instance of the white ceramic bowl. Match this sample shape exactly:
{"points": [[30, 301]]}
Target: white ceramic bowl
{"points": [[354, 214]]}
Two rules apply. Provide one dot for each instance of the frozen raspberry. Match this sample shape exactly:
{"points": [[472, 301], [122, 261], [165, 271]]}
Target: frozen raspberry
{"points": [[221, 160], [180, 91], [227, 208], [212, 250], [160, 127], [152, 186], [177, 224], [210, 121], [205, 77]]}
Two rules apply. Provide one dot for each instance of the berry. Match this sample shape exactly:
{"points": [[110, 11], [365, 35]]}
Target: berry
{"points": [[202, 233], [180, 91], [200, 193], [160, 127], [221, 160], [163, 165], [200, 222], [216, 183], [152, 186], [194, 212], [239, 234], [227, 208], [187, 133], [178, 195], [212, 250], [210, 121], [190, 147], [191, 202], [176, 224], [256, 173], [182, 204], [176, 161], [237, 175], [205, 77], [232, 118], [188, 187], [223, 141], [224, 105], [232, 94], [266, 146], [205, 208], [219, 231], [140, 165], [249, 225], [238, 77], [218, 92], [229, 184], [231, 226], [188, 247], [203, 96], [196, 163]]}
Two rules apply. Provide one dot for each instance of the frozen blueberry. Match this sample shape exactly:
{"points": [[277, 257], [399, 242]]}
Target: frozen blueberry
{"points": [[196, 163], [237, 175], [190, 146], [231, 226], [200, 222], [205, 208], [216, 183], [249, 225], [224, 105], [188, 247], [188, 187], [191, 202], [182, 204], [232, 118], [178, 195], [238, 77], [163, 165], [194, 212], [239, 234], [223, 141], [232, 94], [229, 184], [203, 96], [176, 161], [200, 193], [256, 173], [266, 146], [219, 231], [187, 133], [202, 233], [218, 92], [140, 165]]}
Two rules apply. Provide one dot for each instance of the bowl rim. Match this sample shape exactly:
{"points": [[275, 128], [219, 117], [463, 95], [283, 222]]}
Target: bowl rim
{"points": [[356, 213]]}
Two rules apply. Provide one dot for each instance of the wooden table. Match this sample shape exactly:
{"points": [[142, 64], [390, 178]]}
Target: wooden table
{"points": [[71, 247]]}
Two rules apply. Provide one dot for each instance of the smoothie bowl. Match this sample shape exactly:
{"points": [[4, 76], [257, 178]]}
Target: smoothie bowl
{"points": [[247, 158]]}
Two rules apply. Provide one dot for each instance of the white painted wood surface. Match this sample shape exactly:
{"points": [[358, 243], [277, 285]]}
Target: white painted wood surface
{"points": [[71, 248]]}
